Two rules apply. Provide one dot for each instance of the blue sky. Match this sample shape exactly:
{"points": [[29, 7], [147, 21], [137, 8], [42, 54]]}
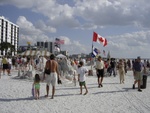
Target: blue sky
{"points": [[124, 23]]}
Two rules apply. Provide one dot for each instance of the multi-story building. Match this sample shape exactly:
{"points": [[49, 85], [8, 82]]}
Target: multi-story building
{"points": [[49, 46], [9, 32]]}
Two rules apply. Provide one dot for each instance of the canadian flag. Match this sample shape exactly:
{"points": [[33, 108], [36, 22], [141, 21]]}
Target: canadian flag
{"points": [[99, 39]]}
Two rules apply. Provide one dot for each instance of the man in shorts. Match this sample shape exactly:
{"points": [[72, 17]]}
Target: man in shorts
{"points": [[100, 70], [53, 76], [137, 72], [0, 66]]}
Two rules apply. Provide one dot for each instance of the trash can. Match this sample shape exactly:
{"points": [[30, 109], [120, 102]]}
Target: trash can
{"points": [[144, 82]]}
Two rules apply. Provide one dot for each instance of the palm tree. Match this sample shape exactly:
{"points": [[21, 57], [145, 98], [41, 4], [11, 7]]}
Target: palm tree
{"points": [[6, 45]]}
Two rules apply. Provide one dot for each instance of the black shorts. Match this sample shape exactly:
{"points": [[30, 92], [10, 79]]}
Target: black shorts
{"points": [[5, 66], [82, 83], [100, 73]]}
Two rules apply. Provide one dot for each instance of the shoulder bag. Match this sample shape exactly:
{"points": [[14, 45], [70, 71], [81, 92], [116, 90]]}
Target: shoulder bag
{"points": [[47, 71]]}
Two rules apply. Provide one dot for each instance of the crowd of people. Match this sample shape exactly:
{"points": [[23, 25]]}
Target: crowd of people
{"points": [[58, 68]]}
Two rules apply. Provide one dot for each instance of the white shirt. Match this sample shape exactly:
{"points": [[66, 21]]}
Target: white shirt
{"points": [[100, 64], [9, 60], [82, 72]]}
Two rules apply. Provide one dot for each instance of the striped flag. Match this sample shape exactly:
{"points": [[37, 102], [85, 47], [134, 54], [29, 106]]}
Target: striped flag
{"points": [[95, 52]]}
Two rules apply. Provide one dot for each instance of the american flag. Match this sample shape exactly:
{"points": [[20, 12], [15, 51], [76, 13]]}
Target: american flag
{"points": [[58, 41]]}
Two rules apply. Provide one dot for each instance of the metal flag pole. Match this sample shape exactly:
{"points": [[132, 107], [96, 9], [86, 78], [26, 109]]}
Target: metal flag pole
{"points": [[91, 71]]}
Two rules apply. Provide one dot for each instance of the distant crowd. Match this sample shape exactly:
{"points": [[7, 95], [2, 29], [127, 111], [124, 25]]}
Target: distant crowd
{"points": [[72, 69]]}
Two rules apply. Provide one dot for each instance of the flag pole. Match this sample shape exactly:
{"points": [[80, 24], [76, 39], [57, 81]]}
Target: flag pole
{"points": [[91, 71]]}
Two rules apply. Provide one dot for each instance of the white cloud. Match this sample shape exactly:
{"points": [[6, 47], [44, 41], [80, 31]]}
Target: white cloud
{"points": [[129, 44], [28, 32], [73, 47], [132, 45], [88, 15], [32, 33], [99, 13], [19, 3], [42, 25]]}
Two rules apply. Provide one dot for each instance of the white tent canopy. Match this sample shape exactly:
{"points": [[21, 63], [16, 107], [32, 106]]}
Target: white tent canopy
{"points": [[61, 56], [35, 53], [45, 53]]}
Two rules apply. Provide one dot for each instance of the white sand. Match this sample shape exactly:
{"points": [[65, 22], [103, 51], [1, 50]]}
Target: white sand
{"points": [[15, 97]]}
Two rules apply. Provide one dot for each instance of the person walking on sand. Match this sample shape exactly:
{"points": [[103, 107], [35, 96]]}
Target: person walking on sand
{"points": [[121, 71], [137, 71], [53, 76], [100, 70], [5, 64], [36, 86], [0, 66], [82, 77]]}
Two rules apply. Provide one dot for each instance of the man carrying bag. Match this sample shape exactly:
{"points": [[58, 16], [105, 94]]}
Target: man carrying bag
{"points": [[52, 76]]}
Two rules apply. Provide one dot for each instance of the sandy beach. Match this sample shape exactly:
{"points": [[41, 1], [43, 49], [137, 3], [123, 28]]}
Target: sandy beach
{"points": [[113, 97]]}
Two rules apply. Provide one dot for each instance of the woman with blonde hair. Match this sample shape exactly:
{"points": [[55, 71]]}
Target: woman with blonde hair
{"points": [[121, 71]]}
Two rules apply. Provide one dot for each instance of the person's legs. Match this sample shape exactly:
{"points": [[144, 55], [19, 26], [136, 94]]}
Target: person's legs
{"points": [[101, 75], [139, 85], [48, 80], [85, 89], [53, 81], [53, 92], [136, 79], [80, 89], [98, 80], [114, 73], [3, 69], [8, 71], [134, 84], [120, 76], [38, 93], [110, 71], [139, 81], [123, 78], [101, 81], [47, 90]]}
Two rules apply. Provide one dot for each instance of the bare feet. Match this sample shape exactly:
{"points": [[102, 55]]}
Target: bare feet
{"points": [[52, 97], [46, 96], [85, 93]]}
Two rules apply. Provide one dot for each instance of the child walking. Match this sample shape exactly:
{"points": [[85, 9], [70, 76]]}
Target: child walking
{"points": [[82, 77], [36, 86]]}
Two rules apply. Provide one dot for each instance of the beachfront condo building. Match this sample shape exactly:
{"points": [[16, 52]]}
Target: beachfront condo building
{"points": [[49, 46], [9, 33]]}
